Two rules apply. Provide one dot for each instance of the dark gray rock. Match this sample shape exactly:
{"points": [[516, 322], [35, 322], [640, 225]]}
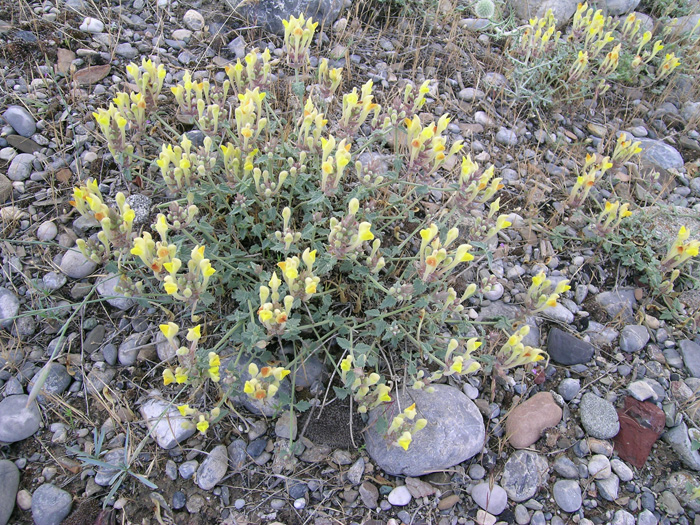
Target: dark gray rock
{"points": [[569, 388], [269, 13], [21, 120], [237, 455], [50, 505], [633, 338], [598, 417], [308, 372], [659, 155], [9, 474], [454, 433], [691, 356], [523, 474], [567, 349], [17, 421]]}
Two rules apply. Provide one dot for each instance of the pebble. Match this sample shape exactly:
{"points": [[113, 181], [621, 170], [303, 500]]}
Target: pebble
{"points": [[609, 487], [448, 502], [193, 20], [493, 499], [369, 494], [599, 467], [237, 455], [21, 167], [21, 120], [476, 471], [507, 137], [9, 474], [286, 425], [9, 306], [470, 94], [179, 500], [92, 25], [523, 474], [598, 417], [17, 422], [213, 468], [567, 494], [50, 505], [641, 390], [399, 496], [126, 50], [622, 470], [168, 430], [188, 468], [567, 349], [691, 356], [527, 421], [24, 500], [354, 474], [633, 338], [57, 380], [569, 388], [47, 231], [75, 265], [106, 288], [565, 468]]}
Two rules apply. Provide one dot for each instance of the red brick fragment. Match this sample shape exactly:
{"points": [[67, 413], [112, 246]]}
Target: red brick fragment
{"points": [[641, 424]]}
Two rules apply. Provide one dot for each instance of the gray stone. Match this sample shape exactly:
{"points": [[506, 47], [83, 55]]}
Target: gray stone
{"points": [[679, 441], [523, 474], [75, 265], [21, 120], [646, 517], [21, 167], [566, 349], [633, 338], [193, 20], [618, 303], [130, 348], [114, 458], [563, 10], [619, 7], [308, 372], [166, 424], [92, 25], [470, 94], [17, 421], [5, 188], [685, 24], [569, 388], [9, 307], [622, 470], [609, 487], [286, 425], [567, 494], [106, 288], [57, 380], [237, 47], [565, 468], [659, 155], [354, 474], [9, 474], [237, 455], [454, 433], [691, 356], [269, 13], [50, 505], [493, 499], [598, 417], [641, 390], [399, 496], [507, 137], [369, 495], [599, 467], [600, 335], [126, 50], [53, 281], [99, 377], [622, 517], [141, 205], [166, 351], [213, 468]]}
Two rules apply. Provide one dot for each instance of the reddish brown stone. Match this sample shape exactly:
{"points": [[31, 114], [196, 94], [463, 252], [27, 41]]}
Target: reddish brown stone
{"points": [[528, 420], [641, 424]]}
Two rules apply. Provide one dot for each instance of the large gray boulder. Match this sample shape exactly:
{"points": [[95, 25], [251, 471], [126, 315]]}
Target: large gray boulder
{"points": [[454, 433], [270, 13]]}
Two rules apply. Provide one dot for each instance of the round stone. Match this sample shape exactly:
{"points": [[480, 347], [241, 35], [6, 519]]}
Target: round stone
{"points": [[493, 499], [213, 468], [17, 421], [567, 494], [599, 417], [523, 474], [50, 505], [75, 265], [399, 496], [528, 420]]}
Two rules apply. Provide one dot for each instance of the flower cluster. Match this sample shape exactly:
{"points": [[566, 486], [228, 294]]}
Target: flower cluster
{"points": [[457, 361], [434, 259], [427, 146], [681, 250], [404, 426], [272, 314], [539, 297], [332, 166], [255, 73], [264, 382], [298, 33], [357, 108], [182, 166], [475, 187], [515, 353], [625, 149], [611, 216], [148, 80], [593, 169], [367, 391], [348, 235], [188, 369], [116, 224], [302, 285]]}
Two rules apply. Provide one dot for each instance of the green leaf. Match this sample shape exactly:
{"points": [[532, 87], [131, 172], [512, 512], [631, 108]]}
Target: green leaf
{"points": [[340, 393], [388, 302], [343, 343], [302, 406]]}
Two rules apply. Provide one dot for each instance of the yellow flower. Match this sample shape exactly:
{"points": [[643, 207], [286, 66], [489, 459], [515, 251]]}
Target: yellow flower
{"points": [[194, 333], [538, 279], [203, 425], [185, 410], [346, 364], [364, 233], [168, 377], [405, 440], [180, 375], [420, 424], [249, 388], [169, 330], [410, 412]]}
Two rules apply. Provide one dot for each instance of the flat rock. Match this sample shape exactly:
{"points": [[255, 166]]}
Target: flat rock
{"points": [[608, 488], [493, 499], [21, 120], [50, 505], [618, 303], [567, 494], [527, 421], [9, 474], [523, 474], [369, 495], [17, 422], [691, 356], [567, 349], [269, 13], [213, 468], [5, 188], [57, 380], [633, 338], [106, 288], [91, 75], [679, 440], [168, 430], [598, 417], [75, 265], [659, 155], [454, 433]]}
